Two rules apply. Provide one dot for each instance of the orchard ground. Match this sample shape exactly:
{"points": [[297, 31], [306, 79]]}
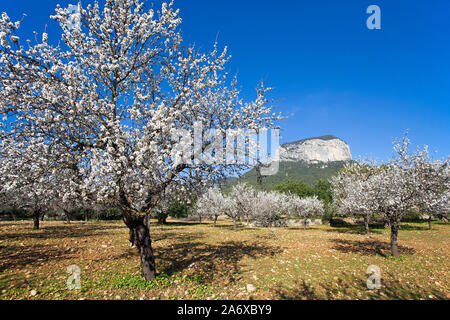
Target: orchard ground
{"points": [[198, 261]]}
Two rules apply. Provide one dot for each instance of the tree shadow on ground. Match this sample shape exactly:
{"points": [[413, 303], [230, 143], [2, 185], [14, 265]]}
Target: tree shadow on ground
{"points": [[13, 256], [368, 247], [157, 235], [178, 224], [19, 223], [354, 287], [376, 228], [302, 228], [302, 291], [61, 232], [357, 229], [408, 227], [209, 260], [239, 227], [404, 291], [160, 236]]}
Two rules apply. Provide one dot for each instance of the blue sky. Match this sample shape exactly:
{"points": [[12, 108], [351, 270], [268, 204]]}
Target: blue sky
{"points": [[331, 75]]}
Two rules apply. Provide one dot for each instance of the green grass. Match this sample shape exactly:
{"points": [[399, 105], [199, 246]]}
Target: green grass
{"points": [[198, 261]]}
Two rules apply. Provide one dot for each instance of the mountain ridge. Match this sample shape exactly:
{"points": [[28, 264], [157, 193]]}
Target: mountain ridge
{"points": [[324, 137]]}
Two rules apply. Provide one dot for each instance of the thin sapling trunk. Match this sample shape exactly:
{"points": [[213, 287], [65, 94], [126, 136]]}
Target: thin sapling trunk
{"points": [[366, 225]]}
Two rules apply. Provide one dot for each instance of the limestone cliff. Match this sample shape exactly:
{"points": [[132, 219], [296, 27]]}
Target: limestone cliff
{"points": [[313, 150]]}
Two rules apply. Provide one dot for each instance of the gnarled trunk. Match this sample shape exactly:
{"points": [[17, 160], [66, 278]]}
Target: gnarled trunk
{"points": [[366, 224], [215, 221], [140, 237], [394, 237], [234, 224], [429, 222]]}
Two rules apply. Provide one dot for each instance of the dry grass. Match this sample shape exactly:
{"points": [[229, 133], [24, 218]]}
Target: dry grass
{"points": [[198, 261]]}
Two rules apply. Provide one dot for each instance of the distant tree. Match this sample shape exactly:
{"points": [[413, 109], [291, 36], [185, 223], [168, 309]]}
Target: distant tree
{"points": [[179, 208], [172, 202], [213, 204], [406, 182], [353, 194], [323, 190], [24, 180], [305, 207], [244, 197], [268, 207], [432, 184], [298, 188]]}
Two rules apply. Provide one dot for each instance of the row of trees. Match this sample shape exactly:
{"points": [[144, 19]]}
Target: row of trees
{"points": [[410, 181], [266, 208]]}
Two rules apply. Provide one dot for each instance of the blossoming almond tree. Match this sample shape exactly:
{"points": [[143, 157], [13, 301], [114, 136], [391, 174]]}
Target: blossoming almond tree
{"points": [[305, 207], [268, 207], [408, 181], [26, 184], [263, 207], [389, 192], [432, 185], [352, 191], [112, 99], [213, 204], [244, 197]]}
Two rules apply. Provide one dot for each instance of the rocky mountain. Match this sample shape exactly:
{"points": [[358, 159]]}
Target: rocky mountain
{"points": [[315, 150], [308, 160]]}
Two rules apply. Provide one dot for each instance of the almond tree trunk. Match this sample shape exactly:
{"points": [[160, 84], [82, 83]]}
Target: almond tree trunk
{"points": [[67, 215], [394, 237], [140, 237], [429, 222], [36, 216], [234, 224], [366, 224], [215, 221], [162, 219]]}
